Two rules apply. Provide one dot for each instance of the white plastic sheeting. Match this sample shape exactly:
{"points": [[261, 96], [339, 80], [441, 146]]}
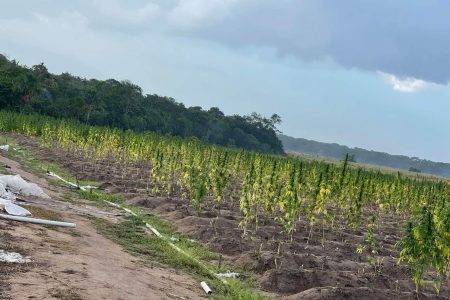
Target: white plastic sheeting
{"points": [[12, 185], [15, 184], [4, 194], [229, 275], [13, 257], [4, 202], [16, 210], [4, 147], [13, 209]]}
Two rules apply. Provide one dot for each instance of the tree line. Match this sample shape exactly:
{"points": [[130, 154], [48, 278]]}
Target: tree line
{"points": [[122, 104]]}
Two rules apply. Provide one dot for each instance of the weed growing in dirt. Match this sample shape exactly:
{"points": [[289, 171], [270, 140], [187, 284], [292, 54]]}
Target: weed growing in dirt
{"points": [[42, 213], [67, 294]]}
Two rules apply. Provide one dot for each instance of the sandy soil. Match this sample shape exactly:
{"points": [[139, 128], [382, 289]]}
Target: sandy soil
{"points": [[323, 266], [79, 263]]}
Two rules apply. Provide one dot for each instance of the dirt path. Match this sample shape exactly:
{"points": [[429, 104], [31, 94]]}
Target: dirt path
{"points": [[80, 263]]}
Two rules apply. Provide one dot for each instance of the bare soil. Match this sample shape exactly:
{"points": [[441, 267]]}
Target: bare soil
{"points": [[320, 262], [78, 264]]}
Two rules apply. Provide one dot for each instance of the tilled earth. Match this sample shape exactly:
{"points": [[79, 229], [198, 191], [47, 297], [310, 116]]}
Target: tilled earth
{"points": [[320, 262]]}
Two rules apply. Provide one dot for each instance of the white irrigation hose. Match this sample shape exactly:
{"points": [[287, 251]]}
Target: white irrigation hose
{"points": [[37, 221], [156, 232], [206, 288], [83, 188]]}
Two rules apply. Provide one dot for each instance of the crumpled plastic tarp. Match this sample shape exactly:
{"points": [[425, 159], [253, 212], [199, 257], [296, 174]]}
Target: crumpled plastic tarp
{"points": [[5, 194], [12, 185], [15, 184]]}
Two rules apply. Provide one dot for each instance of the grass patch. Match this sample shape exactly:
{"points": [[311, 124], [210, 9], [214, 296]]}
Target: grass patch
{"points": [[99, 198], [163, 227], [132, 236], [4, 170]]}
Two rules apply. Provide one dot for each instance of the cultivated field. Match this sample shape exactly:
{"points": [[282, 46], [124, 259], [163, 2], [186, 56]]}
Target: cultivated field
{"points": [[303, 229]]}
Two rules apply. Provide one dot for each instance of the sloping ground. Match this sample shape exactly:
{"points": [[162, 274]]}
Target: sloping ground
{"points": [[320, 263], [78, 263]]}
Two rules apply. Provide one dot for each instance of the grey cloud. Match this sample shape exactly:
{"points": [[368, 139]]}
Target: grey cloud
{"points": [[405, 38], [114, 9]]}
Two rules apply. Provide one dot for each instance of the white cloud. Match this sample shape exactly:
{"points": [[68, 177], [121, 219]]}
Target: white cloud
{"points": [[407, 84], [66, 21], [189, 14], [113, 9], [67, 35]]}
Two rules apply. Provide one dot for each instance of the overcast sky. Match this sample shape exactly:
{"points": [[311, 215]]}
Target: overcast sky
{"points": [[371, 74]]}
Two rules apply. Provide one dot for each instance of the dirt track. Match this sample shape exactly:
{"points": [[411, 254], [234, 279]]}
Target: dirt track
{"points": [[79, 263]]}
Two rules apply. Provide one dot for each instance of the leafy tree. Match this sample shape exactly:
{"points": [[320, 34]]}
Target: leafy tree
{"points": [[415, 170]]}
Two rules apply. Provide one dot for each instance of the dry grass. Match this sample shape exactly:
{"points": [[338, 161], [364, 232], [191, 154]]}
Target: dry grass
{"points": [[41, 213], [66, 294]]}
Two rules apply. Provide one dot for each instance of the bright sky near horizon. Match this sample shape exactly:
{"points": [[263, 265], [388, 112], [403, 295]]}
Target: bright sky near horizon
{"points": [[367, 73]]}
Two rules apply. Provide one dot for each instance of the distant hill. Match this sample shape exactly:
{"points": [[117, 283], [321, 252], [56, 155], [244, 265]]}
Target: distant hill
{"points": [[337, 151]]}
